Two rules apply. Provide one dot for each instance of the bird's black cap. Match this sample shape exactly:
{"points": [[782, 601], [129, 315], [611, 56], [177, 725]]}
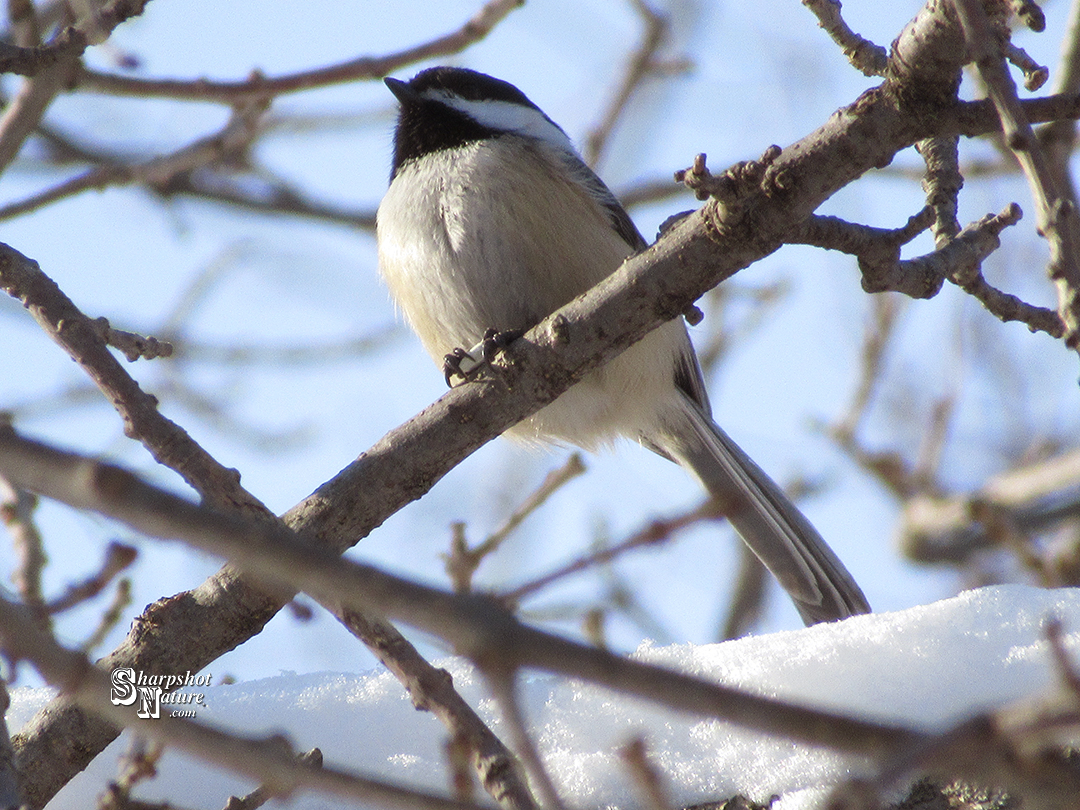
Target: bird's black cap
{"points": [[427, 124]]}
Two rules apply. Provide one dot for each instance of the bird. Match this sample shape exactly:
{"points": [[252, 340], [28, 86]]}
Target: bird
{"points": [[491, 222]]}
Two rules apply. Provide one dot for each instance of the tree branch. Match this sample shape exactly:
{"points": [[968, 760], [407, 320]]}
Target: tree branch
{"points": [[640, 65], [1058, 219], [474, 625], [864, 55], [916, 102], [229, 144], [267, 760], [431, 689], [71, 42], [262, 87], [191, 637], [983, 747]]}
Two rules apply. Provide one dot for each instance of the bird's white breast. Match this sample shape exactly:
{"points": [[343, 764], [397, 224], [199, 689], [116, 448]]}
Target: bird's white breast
{"points": [[493, 235]]}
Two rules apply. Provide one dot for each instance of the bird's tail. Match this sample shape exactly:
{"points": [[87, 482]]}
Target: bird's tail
{"points": [[770, 524]]}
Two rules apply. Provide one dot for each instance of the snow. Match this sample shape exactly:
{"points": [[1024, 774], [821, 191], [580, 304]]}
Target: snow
{"points": [[925, 667]]}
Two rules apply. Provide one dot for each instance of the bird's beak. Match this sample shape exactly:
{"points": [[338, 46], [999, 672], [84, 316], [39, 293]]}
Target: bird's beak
{"points": [[401, 90]]}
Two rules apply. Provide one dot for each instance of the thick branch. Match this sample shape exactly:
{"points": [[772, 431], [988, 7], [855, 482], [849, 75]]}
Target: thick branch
{"points": [[950, 529]]}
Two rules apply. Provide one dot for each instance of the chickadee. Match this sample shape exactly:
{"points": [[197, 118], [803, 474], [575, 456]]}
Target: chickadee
{"points": [[492, 221]]}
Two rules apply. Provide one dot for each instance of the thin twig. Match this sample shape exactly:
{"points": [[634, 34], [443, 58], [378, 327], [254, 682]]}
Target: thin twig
{"points": [[259, 87], [131, 345], [928, 458], [285, 355], [639, 65], [262, 794], [458, 753], [1066, 667], [17, 513], [117, 558], [658, 531], [1057, 217], [747, 596], [432, 689], [70, 43], [275, 198], [646, 776], [1035, 75], [503, 686], [462, 562], [877, 335], [229, 144], [942, 183], [724, 331], [647, 191], [138, 764], [864, 55], [23, 21], [1059, 137], [111, 617], [959, 260], [964, 270]]}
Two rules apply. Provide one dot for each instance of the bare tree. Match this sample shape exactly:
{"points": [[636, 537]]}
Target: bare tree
{"points": [[1019, 519]]}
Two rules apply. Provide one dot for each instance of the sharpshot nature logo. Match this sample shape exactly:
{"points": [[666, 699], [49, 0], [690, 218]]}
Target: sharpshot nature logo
{"points": [[154, 691]]}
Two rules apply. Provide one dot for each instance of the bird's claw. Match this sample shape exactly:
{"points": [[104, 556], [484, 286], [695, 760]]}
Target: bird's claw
{"points": [[495, 340], [459, 363], [464, 364]]}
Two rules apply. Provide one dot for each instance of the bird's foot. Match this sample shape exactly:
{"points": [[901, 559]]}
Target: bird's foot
{"points": [[466, 364]]}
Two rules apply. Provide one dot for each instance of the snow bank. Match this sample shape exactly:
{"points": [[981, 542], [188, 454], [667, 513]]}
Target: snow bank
{"points": [[925, 667]]}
